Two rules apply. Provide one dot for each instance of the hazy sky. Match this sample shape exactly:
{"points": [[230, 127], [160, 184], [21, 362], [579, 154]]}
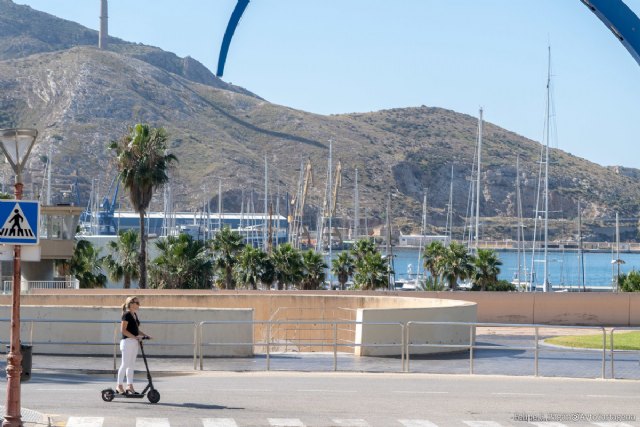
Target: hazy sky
{"points": [[340, 56]]}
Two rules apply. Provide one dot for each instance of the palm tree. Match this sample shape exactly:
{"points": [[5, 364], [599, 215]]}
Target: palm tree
{"points": [[455, 264], [287, 265], [313, 270], [122, 263], [431, 257], [183, 263], [486, 268], [226, 246], [86, 265], [343, 267], [362, 247], [252, 267], [143, 163], [371, 271]]}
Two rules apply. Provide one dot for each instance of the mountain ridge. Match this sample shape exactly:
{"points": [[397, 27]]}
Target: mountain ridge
{"points": [[81, 97]]}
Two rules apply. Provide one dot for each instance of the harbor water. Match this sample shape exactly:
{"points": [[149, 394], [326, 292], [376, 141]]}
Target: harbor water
{"points": [[563, 267]]}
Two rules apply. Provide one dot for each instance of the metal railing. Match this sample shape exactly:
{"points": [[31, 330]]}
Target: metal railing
{"points": [[613, 351], [115, 341], [7, 285], [471, 346], [327, 335], [334, 343]]}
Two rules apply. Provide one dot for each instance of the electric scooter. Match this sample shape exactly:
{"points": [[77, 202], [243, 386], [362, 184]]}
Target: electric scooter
{"points": [[152, 394]]}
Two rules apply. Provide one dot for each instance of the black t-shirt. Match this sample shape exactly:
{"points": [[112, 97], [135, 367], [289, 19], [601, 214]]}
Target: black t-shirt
{"points": [[132, 323]]}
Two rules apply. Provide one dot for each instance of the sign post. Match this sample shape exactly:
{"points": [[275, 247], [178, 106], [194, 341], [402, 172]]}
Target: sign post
{"points": [[16, 145]]}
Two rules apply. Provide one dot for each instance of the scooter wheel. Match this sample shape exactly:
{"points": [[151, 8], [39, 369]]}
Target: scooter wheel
{"points": [[108, 394], [153, 396]]}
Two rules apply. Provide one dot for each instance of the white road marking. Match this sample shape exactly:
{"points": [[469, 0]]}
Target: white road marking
{"points": [[549, 424], [419, 392], [152, 422], [351, 422], [613, 424], [482, 424], [218, 422], [285, 422], [417, 423], [85, 421]]}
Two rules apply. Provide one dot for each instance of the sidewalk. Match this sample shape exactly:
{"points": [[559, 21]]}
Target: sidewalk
{"points": [[29, 418]]}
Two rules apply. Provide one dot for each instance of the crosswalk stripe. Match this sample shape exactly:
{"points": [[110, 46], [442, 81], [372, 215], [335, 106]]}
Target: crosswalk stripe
{"points": [[482, 424], [417, 423], [356, 422], [152, 422], [218, 422], [85, 421], [285, 422], [548, 424], [613, 424]]}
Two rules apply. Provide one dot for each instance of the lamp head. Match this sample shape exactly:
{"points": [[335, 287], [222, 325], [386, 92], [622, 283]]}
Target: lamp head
{"points": [[16, 145]]}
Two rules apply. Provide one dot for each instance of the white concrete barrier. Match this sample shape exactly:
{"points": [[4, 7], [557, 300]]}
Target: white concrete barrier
{"points": [[386, 340]]}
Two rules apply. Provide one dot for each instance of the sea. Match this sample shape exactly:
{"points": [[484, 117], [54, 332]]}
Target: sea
{"points": [[563, 267]]}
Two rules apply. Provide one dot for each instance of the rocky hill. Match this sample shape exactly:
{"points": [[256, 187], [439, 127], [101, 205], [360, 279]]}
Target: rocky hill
{"points": [[53, 77]]}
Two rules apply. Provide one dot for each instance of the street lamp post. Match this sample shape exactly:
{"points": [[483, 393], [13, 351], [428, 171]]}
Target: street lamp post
{"points": [[16, 145]]}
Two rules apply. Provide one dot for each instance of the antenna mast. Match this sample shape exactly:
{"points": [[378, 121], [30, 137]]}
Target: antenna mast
{"points": [[104, 25]]}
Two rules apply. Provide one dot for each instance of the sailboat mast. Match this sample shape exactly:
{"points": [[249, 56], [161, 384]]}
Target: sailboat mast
{"points": [[477, 236], [266, 203], [330, 205], [618, 260], [356, 208], [449, 226], [581, 272], [545, 283], [389, 253], [422, 233], [519, 213]]}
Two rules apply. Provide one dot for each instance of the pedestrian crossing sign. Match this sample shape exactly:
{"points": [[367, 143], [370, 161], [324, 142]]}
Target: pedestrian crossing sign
{"points": [[19, 220]]}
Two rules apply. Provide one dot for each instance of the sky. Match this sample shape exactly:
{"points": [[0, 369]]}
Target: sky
{"points": [[343, 56]]}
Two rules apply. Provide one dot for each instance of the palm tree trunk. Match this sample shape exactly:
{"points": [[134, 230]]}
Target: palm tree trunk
{"points": [[229, 277], [127, 281], [142, 284]]}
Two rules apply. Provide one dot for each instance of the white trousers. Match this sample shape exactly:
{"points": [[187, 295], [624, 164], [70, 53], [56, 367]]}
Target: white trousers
{"points": [[129, 350]]}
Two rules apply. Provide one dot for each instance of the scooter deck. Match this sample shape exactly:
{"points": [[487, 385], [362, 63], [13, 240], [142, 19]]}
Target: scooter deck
{"points": [[127, 396]]}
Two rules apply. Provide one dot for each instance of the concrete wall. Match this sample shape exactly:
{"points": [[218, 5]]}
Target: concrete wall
{"points": [[589, 308], [553, 308], [319, 310]]}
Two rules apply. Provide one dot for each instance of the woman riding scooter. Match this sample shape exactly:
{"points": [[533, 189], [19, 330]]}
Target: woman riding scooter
{"points": [[129, 344]]}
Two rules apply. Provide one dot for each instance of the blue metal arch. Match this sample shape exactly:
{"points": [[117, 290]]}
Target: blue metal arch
{"points": [[228, 34], [623, 23]]}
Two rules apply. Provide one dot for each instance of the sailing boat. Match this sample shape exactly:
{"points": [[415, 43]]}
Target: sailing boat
{"points": [[474, 237], [544, 160], [520, 276]]}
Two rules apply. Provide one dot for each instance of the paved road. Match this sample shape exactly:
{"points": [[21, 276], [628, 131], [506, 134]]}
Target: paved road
{"points": [[224, 399], [238, 391]]}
